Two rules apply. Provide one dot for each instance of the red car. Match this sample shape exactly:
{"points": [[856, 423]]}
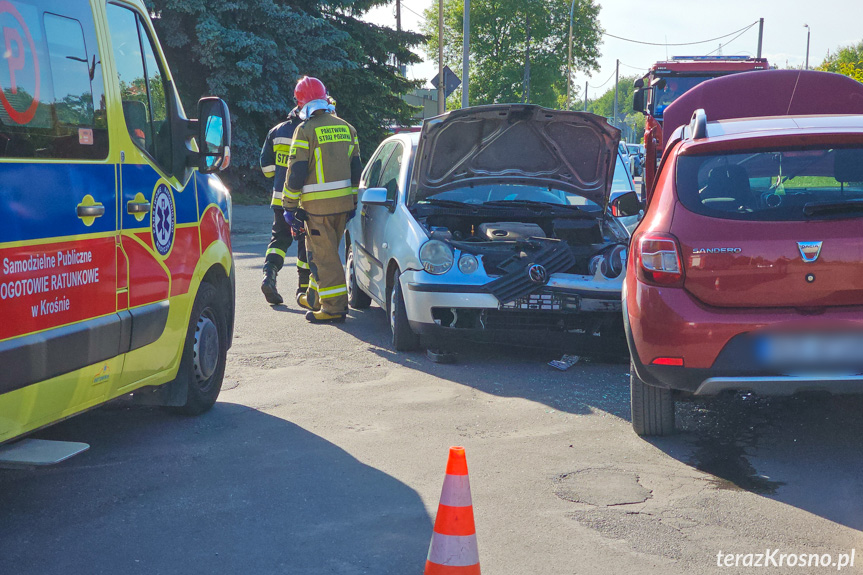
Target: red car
{"points": [[746, 273]]}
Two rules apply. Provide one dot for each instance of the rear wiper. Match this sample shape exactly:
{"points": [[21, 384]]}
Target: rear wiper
{"points": [[815, 208]]}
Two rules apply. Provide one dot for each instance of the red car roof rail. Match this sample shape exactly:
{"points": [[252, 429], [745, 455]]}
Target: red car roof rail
{"points": [[698, 124]]}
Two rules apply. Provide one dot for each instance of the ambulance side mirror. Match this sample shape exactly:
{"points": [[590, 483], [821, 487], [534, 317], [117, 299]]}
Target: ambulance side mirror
{"points": [[214, 135]]}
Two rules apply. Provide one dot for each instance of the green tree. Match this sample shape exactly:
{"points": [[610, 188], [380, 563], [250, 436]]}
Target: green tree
{"points": [[251, 53], [847, 60], [512, 40], [626, 116]]}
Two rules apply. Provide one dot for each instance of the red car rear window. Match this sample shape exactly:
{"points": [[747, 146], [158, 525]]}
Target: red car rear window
{"points": [[777, 185]]}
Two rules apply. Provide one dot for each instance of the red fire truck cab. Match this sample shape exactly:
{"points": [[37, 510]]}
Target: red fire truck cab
{"points": [[668, 80]]}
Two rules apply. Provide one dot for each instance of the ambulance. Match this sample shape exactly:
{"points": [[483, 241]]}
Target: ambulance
{"points": [[116, 274]]}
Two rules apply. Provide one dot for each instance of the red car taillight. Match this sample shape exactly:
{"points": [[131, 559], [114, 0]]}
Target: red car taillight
{"points": [[658, 260]]}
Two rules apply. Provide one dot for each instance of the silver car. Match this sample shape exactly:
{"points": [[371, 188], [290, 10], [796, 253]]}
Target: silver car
{"points": [[493, 223]]}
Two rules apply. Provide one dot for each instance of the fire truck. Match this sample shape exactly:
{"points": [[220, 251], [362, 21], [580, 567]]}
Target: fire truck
{"points": [[668, 80]]}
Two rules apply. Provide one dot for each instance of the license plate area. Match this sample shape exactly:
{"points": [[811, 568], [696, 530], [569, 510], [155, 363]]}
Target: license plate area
{"points": [[839, 352], [545, 301]]}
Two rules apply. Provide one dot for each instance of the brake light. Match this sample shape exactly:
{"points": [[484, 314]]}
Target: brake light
{"points": [[658, 260], [675, 361]]}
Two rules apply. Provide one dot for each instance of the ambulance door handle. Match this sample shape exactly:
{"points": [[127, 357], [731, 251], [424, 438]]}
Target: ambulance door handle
{"points": [[91, 211], [138, 207]]}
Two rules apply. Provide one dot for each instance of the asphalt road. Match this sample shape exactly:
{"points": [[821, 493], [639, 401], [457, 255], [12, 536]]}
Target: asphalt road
{"points": [[326, 454]]}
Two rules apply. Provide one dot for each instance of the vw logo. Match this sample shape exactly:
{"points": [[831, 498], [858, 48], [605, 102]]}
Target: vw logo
{"points": [[537, 274], [809, 251]]}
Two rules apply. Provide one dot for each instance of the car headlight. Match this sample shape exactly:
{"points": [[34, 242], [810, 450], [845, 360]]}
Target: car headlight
{"points": [[467, 264], [436, 257]]}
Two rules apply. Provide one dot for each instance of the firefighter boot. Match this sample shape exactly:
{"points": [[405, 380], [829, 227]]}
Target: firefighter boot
{"points": [[268, 286], [303, 302], [324, 317]]}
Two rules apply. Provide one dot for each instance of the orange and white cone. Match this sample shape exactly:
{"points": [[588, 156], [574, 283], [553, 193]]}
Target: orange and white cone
{"points": [[453, 549]]}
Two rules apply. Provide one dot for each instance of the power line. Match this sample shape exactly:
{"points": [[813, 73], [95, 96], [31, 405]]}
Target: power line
{"points": [[729, 42], [744, 29], [604, 83], [642, 68], [405, 7]]}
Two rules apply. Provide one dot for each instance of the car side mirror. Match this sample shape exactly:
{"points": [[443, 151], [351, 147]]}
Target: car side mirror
{"points": [[214, 135], [377, 197], [626, 204]]}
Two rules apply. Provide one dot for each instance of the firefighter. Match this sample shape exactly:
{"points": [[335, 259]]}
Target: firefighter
{"points": [[323, 175], [274, 164]]}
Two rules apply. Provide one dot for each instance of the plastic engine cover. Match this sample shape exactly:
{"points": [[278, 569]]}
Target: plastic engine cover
{"points": [[510, 231]]}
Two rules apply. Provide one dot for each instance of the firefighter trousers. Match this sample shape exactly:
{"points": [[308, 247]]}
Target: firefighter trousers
{"points": [[280, 240], [327, 282]]}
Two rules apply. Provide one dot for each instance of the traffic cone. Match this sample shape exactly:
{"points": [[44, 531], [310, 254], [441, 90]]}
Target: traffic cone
{"points": [[453, 549]]}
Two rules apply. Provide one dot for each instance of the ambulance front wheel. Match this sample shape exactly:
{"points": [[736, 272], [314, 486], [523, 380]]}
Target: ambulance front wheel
{"points": [[205, 351]]}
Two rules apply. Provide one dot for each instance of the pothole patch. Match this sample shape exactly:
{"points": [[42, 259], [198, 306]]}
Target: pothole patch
{"points": [[601, 487]]}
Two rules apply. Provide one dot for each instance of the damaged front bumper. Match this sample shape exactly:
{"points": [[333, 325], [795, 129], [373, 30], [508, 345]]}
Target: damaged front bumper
{"points": [[568, 303]]}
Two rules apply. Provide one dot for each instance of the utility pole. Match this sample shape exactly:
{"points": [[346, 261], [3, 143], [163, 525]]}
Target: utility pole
{"points": [[616, 72], [760, 35], [398, 28], [441, 93], [808, 30], [569, 58], [527, 62], [585, 96], [465, 56]]}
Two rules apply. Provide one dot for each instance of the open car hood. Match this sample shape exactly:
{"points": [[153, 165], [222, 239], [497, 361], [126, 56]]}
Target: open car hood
{"points": [[516, 143]]}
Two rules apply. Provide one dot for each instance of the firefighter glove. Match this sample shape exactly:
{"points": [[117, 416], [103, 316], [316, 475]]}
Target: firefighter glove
{"points": [[292, 220]]}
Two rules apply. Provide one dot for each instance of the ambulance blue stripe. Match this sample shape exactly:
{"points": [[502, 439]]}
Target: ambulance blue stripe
{"points": [[142, 178], [210, 192], [40, 199]]}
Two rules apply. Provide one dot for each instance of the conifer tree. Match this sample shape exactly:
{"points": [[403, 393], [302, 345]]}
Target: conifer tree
{"points": [[251, 53]]}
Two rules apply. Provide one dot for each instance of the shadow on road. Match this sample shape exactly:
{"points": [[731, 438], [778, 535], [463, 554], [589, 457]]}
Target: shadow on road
{"points": [[234, 491], [508, 371], [803, 451]]}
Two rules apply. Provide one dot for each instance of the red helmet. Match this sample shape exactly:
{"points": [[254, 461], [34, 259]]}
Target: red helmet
{"points": [[309, 89]]}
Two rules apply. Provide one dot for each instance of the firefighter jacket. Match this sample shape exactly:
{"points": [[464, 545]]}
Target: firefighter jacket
{"points": [[323, 166], [274, 155]]}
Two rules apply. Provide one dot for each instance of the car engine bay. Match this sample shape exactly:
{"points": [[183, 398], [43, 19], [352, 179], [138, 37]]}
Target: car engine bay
{"points": [[595, 245]]}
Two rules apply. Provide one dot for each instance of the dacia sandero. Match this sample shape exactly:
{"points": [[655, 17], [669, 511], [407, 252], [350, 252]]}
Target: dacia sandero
{"points": [[116, 273], [746, 273]]}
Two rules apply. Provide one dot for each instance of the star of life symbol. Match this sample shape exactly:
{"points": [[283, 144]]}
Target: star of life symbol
{"points": [[162, 220]]}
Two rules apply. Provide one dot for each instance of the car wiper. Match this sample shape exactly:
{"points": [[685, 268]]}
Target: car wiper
{"points": [[446, 203], [531, 203], [816, 208]]}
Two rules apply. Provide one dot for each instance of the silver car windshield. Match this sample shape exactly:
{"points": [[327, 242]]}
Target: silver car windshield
{"points": [[485, 193], [621, 178]]}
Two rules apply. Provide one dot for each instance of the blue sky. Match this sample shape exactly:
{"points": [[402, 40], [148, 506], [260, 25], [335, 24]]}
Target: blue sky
{"points": [[833, 23]]}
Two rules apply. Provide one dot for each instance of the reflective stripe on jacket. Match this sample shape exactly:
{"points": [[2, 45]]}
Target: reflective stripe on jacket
{"points": [[274, 155], [328, 144]]}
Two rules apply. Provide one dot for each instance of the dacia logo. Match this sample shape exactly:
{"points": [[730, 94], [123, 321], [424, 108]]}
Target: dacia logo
{"points": [[809, 251]]}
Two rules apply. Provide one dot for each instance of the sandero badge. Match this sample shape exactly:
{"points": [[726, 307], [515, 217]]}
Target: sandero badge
{"points": [[162, 220], [809, 251]]}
